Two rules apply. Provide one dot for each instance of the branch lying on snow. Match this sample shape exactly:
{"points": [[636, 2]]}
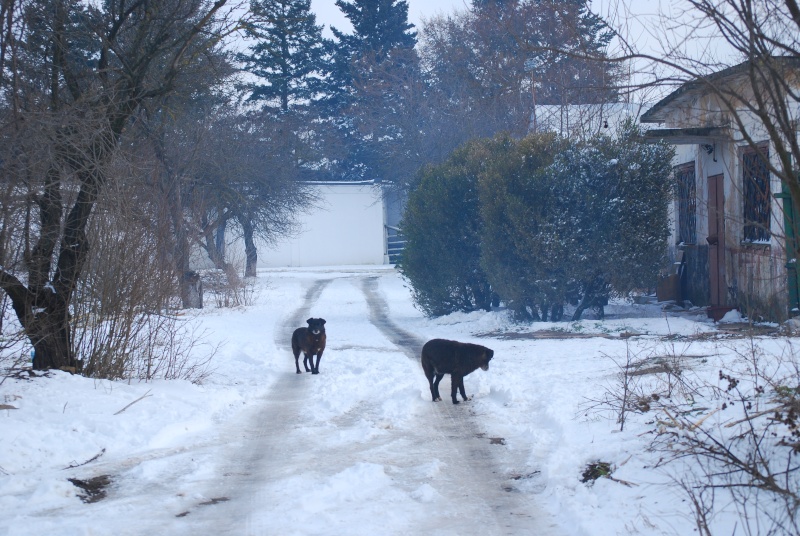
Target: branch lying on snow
{"points": [[90, 460], [701, 421], [755, 415], [681, 425], [623, 482], [135, 401]]}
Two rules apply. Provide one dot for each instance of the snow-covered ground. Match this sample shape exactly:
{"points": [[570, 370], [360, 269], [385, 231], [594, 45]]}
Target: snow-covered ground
{"points": [[360, 449]]}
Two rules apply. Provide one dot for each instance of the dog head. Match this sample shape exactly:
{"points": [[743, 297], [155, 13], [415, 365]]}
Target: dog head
{"points": [[316, 325], [489, 354]]}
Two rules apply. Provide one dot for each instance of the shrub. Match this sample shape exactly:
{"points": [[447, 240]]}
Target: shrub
{"points": [[515, 197], [442, 224], [588, 221]]}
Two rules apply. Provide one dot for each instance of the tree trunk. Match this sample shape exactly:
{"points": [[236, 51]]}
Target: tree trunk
{"points": [[219, 241], [215, 247], [191, 289], [193, 285], [591, 296], [50, 336], [251, 254]]}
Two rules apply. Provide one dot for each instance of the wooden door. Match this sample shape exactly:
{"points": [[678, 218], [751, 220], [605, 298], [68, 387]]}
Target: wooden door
{"points": [[716, 241]]}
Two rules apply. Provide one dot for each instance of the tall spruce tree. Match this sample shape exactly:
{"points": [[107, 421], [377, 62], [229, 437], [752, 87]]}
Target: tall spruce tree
{"points": [[379, 26], [377, 90], [288, 56]]}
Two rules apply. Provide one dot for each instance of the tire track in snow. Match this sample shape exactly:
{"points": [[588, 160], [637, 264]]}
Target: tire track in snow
{"points": [[275, 447], [472, 474], [259, 452]]}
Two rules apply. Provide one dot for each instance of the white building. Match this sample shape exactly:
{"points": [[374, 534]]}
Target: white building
{"points": [[346, 226]]}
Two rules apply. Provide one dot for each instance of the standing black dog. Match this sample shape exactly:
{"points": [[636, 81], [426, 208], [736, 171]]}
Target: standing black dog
{"points": [[311, 341], [440, 357]]}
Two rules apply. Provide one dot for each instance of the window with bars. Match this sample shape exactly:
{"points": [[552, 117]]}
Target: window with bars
{"points": [[687, 203], [756, 193]]}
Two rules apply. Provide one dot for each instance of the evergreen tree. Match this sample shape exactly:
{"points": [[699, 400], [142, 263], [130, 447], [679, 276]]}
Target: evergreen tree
{"points": [[442, 225], [564, 77], [590, 223], [379, 27], [375, 103], [522, 250], [288, 57], [542, 222]]}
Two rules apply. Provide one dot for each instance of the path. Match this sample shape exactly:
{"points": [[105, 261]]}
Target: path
{"points": [[278, 451]]}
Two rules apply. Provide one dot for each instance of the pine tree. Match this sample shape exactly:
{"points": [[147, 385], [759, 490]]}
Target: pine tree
{"points": [[288, 57], [567, 78], [379, 26], [376, 82]]}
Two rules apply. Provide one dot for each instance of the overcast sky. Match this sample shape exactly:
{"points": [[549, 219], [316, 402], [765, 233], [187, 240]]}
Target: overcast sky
{"points": [[328, 14], [626, 15]]}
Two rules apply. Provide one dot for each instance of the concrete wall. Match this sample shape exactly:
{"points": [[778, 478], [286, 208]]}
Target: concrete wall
{"points": [[345, 228]]}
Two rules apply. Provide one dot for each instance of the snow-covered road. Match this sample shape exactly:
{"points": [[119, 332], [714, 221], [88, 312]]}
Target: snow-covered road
{"points": [[360, 449], [284, 456]]}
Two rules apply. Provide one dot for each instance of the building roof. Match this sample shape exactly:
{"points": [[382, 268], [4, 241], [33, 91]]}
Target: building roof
{"points": [[688, 136], [701, 85]]}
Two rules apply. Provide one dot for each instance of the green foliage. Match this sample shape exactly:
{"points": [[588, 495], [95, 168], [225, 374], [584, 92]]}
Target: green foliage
{"points": [[288, 56], [514, 198], [376, 93], [551, 222], [591, 223], [442, 226], [379, 26]]}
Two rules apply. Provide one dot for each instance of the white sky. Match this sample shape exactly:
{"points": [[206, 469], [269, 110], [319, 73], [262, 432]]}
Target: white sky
{"points": [[328, 14], [651, 25]]}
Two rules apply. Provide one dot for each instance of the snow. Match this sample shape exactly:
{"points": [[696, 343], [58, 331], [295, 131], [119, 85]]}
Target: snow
{"points": [[258, 449], [731, 316]]}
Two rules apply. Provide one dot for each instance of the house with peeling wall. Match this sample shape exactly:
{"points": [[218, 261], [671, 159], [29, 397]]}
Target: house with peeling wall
{"points": [[730, 214]]}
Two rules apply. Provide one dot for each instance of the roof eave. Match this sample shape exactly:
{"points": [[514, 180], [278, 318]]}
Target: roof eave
{"points": [[688, 136]]}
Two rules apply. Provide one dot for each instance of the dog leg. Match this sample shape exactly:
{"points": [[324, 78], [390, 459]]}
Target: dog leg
{"points": [[461, 388], [433, 388], [435, 391], [315, 369], [308, 360], [455, 381]]}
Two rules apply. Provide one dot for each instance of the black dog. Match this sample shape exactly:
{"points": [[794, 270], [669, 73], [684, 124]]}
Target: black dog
{"points": [[440, 357], [311, 341]]}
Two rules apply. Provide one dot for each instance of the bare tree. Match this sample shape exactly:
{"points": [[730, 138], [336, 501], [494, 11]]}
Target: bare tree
{"points": [[745, 53], [252, 173], [73, 79]]}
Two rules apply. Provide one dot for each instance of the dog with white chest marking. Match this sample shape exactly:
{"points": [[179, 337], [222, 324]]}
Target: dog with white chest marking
{"points": [[311, 341]]}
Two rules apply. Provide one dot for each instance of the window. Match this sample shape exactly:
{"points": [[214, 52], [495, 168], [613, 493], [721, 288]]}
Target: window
{"points": [[756, 193], [687, 203]]}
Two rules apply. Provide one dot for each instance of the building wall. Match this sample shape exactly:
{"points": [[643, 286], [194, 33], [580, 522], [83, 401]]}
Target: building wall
{"points": [[756, 276], [345, 227]]}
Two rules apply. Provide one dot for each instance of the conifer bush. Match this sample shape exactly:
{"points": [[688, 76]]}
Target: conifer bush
{"points": [[442, 225], [543, 222]]}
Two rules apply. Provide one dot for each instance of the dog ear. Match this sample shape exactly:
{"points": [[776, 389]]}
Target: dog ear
{"points": [[322, 320], [309, 320]]}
